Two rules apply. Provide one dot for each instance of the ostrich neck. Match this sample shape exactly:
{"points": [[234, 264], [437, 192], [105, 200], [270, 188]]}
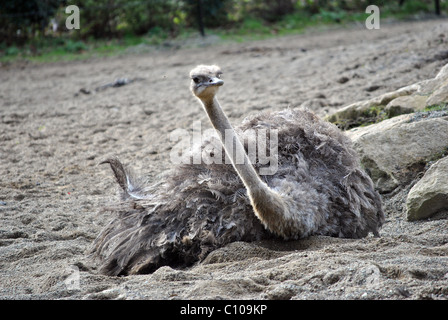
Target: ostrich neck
{"points": [[268, 205], [244, 168]]}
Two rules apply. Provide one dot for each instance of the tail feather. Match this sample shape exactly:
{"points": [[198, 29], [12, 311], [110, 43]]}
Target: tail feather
{"points": [[132, 187]]}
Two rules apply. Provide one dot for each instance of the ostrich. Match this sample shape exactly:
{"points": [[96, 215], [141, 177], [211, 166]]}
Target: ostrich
{"points": [[319, 188]]}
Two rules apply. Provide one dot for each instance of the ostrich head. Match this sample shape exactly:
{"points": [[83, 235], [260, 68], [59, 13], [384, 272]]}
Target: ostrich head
{"points": [[205, 81]]}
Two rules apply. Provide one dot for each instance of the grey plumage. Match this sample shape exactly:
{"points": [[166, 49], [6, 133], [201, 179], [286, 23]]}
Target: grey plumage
{"points": [[201, 207]]}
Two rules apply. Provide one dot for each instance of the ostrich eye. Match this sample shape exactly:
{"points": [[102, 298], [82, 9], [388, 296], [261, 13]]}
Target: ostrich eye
{"points": [[196, 79]]}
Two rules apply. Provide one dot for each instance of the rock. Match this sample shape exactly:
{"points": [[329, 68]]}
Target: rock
{"points": [[439, 96], [408, 99], [356, 113], [85, 91], [430, 194], [395, 150], [405, 134], [343, 79], [405, 104], [19, 197], [372, 88], [443, 73]]}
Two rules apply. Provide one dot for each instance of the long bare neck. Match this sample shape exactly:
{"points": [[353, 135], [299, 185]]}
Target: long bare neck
{"points": [[237, 155], [268, 205]]}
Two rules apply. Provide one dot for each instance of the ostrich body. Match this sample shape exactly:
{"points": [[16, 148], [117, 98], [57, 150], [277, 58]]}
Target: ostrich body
{"points": [[318, 189]]}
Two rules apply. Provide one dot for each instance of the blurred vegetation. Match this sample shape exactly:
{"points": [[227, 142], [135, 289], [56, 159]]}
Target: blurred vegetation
{"points": [[31, 28]]}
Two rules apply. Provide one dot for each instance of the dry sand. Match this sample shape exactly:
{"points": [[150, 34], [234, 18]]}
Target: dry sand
{"points": [[52, 191]]}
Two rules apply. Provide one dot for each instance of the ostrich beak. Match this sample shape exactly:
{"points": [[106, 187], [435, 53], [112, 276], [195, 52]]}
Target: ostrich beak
{"points": [[215, 82]]}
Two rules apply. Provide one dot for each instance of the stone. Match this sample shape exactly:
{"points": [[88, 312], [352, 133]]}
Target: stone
{"points": [[359, 110], [343, 79], [439, 96], [405, 104], [394, 151], [443, 73], [412, 98], [430, 194]]}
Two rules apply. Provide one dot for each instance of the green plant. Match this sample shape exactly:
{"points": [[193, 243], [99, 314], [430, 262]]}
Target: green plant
{"points": [[437, 107], [330, 16], [75, 46], [109, 26], [12, 51]]}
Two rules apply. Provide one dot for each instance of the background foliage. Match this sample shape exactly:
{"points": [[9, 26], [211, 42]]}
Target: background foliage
{"points": [[32, 22]]}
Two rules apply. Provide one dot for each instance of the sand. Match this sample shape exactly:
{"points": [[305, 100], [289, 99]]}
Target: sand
{"points": [[55, 129]]}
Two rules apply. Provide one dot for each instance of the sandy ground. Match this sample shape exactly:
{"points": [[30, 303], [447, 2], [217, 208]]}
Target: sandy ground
{"points": [[52, 191]]}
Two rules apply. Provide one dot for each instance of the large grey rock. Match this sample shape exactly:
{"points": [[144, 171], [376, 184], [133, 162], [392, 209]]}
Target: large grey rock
{"points": [[430, 194], [439, 96], [363, 111], [406, 104], [408, 99], [395, 150]]}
